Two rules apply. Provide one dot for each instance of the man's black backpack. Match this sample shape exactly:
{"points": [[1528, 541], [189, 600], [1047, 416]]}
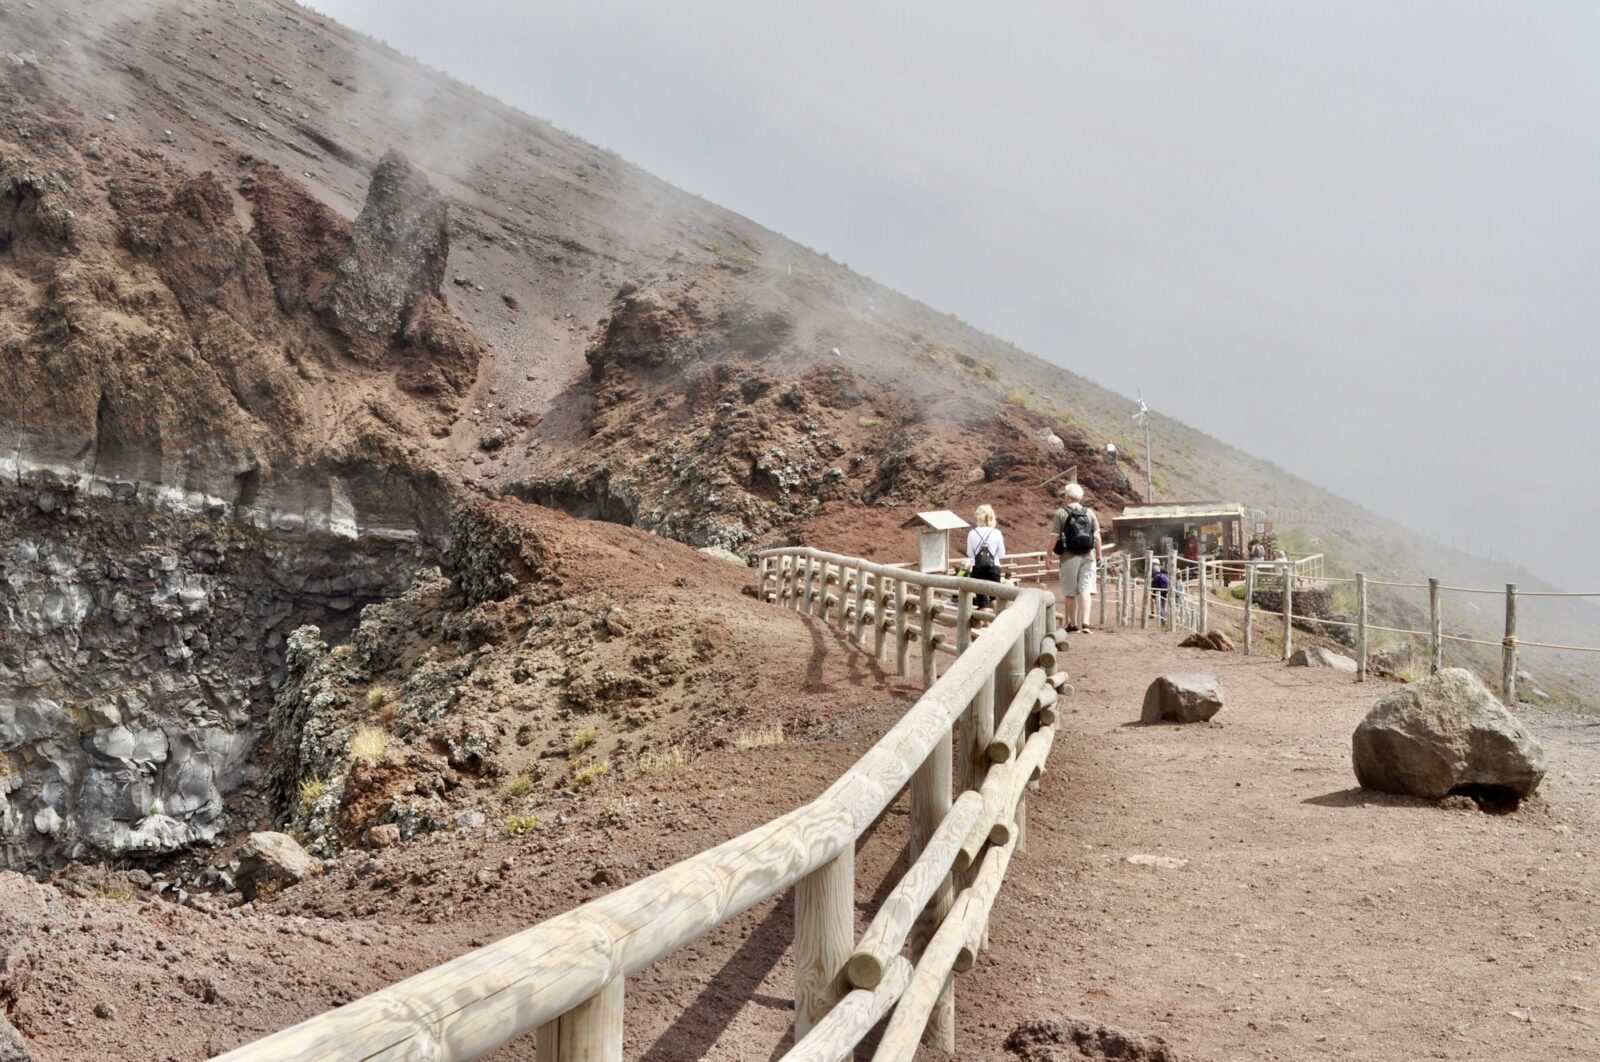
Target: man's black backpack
{"points": [[1077, 533], [984, 566]]}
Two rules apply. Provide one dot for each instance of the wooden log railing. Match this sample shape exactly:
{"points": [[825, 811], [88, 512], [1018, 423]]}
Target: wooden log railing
{"points": [[564, 978]]}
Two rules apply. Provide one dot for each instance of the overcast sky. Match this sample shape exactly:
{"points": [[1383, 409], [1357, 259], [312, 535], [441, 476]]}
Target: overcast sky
{"points": [[1359, 238]]}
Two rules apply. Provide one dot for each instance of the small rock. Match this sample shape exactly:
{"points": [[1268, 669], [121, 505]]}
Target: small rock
{"points": [[1316, 656], [384, 836], [105, 1011], [269, 861], [1139, 859]]}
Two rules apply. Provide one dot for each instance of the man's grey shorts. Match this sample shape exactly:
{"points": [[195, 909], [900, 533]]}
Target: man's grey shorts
{"points": [[1077, 575]]}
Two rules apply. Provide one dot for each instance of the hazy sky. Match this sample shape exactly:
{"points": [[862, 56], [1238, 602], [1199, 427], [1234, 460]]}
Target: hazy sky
{"points": [[1359, 238]]}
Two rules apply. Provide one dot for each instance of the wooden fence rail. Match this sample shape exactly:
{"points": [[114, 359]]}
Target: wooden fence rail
{"points": [[564, 978]]}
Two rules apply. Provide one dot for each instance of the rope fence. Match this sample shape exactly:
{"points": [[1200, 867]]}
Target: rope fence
{"points": [[1185, 603]]}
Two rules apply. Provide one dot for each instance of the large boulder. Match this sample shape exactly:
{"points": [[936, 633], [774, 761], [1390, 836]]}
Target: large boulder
{"points": [[1182, 699], [269, 862], [1446, 734], [1316, 656]]}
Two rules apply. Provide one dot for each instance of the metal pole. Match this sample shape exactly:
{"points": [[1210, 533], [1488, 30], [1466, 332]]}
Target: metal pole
{"points": [[1149, 477]]}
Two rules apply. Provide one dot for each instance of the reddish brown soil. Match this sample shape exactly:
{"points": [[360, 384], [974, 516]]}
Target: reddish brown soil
{"points": [[1310, 919]]}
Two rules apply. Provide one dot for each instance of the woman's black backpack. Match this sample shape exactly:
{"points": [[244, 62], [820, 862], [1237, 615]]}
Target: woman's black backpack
{"points": [[984, 566]]}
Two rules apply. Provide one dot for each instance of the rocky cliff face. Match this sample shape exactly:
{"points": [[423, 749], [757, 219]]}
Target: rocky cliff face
{"points": [[210, 438]]}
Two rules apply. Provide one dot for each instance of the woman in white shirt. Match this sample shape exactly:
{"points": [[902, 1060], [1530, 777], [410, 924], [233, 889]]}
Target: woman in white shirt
{"points": [[983, 539]]}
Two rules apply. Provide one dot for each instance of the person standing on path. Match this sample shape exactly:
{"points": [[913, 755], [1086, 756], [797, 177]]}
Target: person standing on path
{"points": [[986, 548], [1077, 543]]}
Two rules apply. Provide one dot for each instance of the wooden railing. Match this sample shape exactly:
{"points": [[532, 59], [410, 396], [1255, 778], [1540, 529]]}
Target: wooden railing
{"points": [[563, 979]]}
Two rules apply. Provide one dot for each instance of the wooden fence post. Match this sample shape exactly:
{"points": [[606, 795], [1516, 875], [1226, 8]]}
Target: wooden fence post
{"points": [[1103, 587], [1146, 592], [589, 1032], [963, 622], [880, 622], [902, 645], [1125, 595], [1435, 629], [824, 933], [843, 618], [930, 803], [925, 634], [1172, 589], [1249, 607], [861, 605], [1205, 624], [1288, 610], [1508, 651], [1361, 626]]}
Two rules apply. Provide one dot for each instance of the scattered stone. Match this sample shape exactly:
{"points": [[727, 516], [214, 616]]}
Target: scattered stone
{"points": [[1182, 698], [1446, 735], [1213, 640], [1054, 441], [271, 861], [723, 554], [1316, 656], [105, 1011], [1078, 1039], [385, 836], [12, 1047], [1139, 859]]}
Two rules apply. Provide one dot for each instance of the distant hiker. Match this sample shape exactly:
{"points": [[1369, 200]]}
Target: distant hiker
{"points": [[1077, 543], [986, 548], [1191, 554], [1161, 582], [1258, 552]]}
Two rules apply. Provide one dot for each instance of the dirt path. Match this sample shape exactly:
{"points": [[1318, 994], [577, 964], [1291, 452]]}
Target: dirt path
{"points": [[1309, 919]]}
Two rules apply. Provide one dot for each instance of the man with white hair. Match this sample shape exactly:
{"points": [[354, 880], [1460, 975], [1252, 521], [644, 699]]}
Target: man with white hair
{"points": [[1077, 542]]}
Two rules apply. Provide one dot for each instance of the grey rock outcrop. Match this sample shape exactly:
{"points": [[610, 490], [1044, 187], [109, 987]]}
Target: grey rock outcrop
{"points": [[1317, 656], [272, 861], [1446, 734], [138, 654], [722, 553], [1182, 698]]}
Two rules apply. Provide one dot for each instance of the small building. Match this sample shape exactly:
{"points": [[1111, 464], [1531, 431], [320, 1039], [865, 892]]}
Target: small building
{"points": [[933, 538], [1219, 528]]}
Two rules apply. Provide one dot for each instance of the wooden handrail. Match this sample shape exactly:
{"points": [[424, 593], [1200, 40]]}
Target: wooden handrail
{"points": [[563, 978]]}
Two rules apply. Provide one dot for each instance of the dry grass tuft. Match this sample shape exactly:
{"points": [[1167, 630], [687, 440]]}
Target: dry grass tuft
{"points": [[665, 761], [312, 790], [377, 697], [583, 739], [519, 786], [765, 738], [522, 825], [589, 773], [370, 744]]}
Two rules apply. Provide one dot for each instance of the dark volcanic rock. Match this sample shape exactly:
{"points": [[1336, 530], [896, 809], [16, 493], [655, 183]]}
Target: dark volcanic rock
{"points": [[1078, 1040]]}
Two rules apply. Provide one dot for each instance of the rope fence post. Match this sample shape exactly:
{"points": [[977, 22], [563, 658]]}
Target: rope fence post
{"points": [[1249, 608], [1508, 652], [1205, 624], [1172, 589], [1146, 592], [1361, 626], [1288, 610], [1103, 588], [1435, 629]]}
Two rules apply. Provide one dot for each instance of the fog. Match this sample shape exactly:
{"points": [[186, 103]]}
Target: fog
{"points": [[1360, 239]]}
